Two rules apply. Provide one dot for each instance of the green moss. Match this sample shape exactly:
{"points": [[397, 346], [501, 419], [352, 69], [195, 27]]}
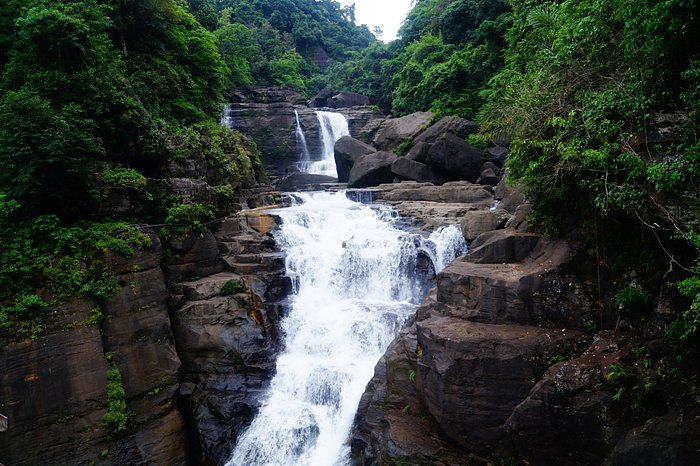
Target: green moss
{"points": [[96, 316]]}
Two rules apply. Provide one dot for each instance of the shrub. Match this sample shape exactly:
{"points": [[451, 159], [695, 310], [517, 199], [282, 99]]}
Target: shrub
{"points": [[120, 177], [116, 418], [232, 287]]}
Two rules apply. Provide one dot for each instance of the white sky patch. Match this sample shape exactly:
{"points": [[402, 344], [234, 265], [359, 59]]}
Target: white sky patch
{"points": [[387, 14]]}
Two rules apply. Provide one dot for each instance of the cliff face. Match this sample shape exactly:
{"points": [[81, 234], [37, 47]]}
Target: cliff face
{"points": [[54, 390], [193, 360], [267, 116]]}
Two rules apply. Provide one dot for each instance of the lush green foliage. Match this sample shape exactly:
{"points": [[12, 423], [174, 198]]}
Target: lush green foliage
{"points": [[95, 95], [446, 53], [584, 86], [232, 287], [42, 263], [282, 42], [115, 419], [121, 177]]}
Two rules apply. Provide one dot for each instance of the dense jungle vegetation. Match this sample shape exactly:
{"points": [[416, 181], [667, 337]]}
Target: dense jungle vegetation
{"points": [[598, 99]]}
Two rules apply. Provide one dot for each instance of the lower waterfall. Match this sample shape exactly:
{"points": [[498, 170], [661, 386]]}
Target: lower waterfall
{"points": [[357, 277]]}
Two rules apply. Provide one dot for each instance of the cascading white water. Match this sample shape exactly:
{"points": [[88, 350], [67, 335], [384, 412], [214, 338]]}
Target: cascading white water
{"points": [[304, 156], [355, 283], [331, 127], [226, 119]]}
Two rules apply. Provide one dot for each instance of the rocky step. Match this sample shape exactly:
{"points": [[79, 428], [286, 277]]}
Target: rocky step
{"points": [[208, 287], [246, 244], [510, 246], [533, 291], [272, 265], [268, 258], [452, 192]]}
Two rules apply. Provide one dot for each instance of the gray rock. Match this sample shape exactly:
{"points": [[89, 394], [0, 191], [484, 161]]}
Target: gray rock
{"points": [[476, 222], [372, 170], [408, 169], [321, 99], [528, 292], [471, 376], [449, 124], [511, 196], [661, 440], [500, 246], [197, 255], [566, 418], [452, 192], [328, 97], [497, 155], [346, 151], [488, 177], [395, 130], [363, 122], [419, 152], [348, 99], [456, 159], [270, 95]]}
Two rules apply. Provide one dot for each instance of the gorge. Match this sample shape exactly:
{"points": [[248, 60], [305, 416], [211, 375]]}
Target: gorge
{"points": [[476, 245]]}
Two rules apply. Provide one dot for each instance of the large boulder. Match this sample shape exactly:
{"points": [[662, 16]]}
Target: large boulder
{"points": [[449, 124], [372, 170], [407, 169], [497, 155], [473, 375], [456, 159], [363, 122], [394, 131], [488, 177], [476, 222], [348, 99], [328, 97], [321, 99], [346, 151], [567, 418], [419, 152]]}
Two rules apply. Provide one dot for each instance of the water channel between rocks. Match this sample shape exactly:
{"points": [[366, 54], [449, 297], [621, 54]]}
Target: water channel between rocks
{"points": [[358, 276]]}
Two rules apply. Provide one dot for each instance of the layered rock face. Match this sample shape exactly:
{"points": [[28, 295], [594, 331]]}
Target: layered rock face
{"points": [[54, 390], [228, 342], [267, 115], [496, 362], [194, 336]]}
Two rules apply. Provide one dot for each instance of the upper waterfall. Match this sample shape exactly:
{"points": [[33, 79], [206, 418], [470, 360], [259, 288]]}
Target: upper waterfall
{"points": [[331, 127]]}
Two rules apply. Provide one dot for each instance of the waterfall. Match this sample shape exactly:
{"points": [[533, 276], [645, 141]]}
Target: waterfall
{"points": [[357, 279], [226, 118], [304, 156], [331, 127]]}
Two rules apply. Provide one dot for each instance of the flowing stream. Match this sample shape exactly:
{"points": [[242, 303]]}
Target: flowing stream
{"points": [[357, 277]]}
